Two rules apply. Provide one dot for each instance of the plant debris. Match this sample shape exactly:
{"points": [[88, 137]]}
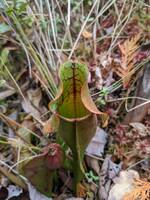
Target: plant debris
{"points": [[74, 100]]}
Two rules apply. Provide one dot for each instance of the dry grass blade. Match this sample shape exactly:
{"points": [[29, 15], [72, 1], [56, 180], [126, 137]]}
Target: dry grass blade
{"points": [[13, 175], [14, 125], [128, 52], [140, 192]]}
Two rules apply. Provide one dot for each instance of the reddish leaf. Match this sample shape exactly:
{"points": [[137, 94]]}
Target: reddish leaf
{"points": [[40, 170]]}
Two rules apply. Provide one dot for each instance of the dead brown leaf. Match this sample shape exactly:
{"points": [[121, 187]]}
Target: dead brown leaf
{"points": [[86, 34], [81, 190], [109, 171], [51, 125]]}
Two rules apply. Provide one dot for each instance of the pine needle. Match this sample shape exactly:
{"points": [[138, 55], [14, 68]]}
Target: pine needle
{"points": [[140, 192], [129, 51]]}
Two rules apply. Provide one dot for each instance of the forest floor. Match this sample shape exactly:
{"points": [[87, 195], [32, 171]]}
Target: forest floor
{"points": [[113, 39]]}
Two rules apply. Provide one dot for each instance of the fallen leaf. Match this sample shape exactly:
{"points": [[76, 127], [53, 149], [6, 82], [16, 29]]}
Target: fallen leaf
{"points": [[27, 126], [86, 34], [81, 190], [109, 30], [40, 170], [23, 196], [123, 184], [93, 164], [6, 93], [97, 144], [105, 59], [98, 78], [108, 21], [28, 108], [3, 108], [141, 128], [32, 103], [13, 191], [142, 90], [109, 171], [51, 125], [35, 96], [132, 28], [35, 195]]}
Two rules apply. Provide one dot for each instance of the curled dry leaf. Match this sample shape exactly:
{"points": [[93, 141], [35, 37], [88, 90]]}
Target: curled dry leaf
{"points": [[25, 129], [109, 171], [86, 34], [123, 184], [81, 190], [51, 125], [32, 103]]}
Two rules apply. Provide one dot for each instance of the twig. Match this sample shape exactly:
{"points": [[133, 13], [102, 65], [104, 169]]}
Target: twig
{"points": [[137, 163]]}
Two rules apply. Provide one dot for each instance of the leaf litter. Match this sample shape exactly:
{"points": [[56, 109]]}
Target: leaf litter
{"points": [[113, 75]]}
